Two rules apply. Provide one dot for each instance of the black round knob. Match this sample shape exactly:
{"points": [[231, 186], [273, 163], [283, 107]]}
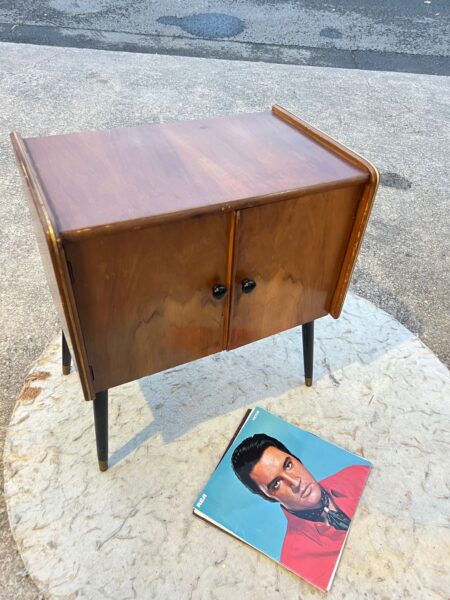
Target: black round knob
{"points": [[219, 290], [248, 285]]}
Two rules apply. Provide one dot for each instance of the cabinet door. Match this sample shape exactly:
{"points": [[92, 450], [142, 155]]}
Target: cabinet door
{"points": [[293, 250], [144, 297]]}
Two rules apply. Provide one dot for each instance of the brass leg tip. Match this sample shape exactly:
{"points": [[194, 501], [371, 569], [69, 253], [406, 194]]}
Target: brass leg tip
{"points": [[103, 465], [66, 370], [308, 381]]}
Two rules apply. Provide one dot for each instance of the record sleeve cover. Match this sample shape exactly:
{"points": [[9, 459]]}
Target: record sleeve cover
{"points": [[288, 493]]}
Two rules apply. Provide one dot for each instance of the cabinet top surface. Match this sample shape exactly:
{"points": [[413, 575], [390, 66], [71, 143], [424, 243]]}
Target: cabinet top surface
{"points": [[101, 178]]}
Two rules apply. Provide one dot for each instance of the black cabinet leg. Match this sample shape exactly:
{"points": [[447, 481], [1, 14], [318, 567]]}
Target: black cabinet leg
{"points": [[66, 358], [101, 428], [308, 351]]}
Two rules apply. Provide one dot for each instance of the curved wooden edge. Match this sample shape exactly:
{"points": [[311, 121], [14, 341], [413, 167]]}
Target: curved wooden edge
{"points": [[356, 236], [364, 207], [65, 301]]}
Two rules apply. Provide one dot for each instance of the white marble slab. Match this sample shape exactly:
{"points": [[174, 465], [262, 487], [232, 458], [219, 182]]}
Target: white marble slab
{"points": [[129, 533]]}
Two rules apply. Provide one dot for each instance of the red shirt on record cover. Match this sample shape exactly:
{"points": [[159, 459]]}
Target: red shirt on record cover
{"points": [[311, 548]]}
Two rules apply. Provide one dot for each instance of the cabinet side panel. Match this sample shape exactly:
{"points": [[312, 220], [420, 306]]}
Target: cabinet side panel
{"points": [[293, 250], [360, 223], [145, 296], [54, 263]]}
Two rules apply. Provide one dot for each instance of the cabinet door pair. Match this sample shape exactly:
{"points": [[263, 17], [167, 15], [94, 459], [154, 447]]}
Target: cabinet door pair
{"points": [[145, 297]]}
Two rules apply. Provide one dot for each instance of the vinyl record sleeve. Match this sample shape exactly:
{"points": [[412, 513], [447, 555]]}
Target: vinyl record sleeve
{"points": [[291, 495]]}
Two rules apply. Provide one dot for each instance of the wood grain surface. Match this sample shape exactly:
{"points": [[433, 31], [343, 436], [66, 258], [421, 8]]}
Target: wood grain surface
{"points": [[294, 251], [145, 297], [123, 176]]}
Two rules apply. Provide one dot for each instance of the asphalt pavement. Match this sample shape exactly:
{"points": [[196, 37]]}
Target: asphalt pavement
{"points": [[391, 35]]}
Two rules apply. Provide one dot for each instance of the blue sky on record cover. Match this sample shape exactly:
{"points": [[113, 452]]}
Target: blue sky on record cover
{"points": [[249, 516]]}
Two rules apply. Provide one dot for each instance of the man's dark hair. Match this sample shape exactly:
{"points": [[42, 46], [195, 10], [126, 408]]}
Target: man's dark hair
{"points": [[248, 453]]}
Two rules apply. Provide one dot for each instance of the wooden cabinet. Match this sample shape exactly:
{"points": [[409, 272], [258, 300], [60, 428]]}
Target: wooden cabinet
{"points": [[166, 243]]}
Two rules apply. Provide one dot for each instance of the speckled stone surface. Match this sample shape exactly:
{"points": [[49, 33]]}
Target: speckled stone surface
{"points": [[129, 533]]}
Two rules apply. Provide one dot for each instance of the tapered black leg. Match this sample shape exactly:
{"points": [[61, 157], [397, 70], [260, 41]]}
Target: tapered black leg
{"points": [[66, 358], [101, 428], [308, 351]]}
